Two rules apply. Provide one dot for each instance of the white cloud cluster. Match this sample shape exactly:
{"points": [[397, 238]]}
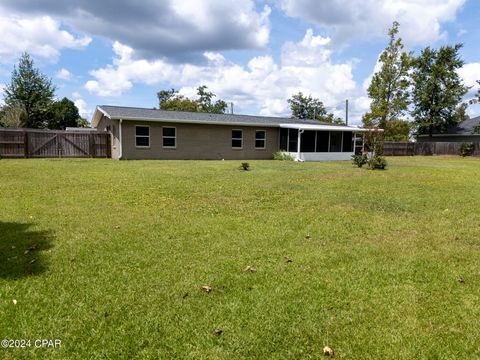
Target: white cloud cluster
{"points": [[63, 74], [40, 36], [352, 19], [262, 86], [82, 106], [176, 29]]}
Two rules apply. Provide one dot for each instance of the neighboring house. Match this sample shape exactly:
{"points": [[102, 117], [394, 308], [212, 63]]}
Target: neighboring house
{"points": [[139, 133], [466, 131]]}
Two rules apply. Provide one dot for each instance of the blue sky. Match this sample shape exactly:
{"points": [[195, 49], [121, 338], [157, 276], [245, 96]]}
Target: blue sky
{"points": [[255, 54]]}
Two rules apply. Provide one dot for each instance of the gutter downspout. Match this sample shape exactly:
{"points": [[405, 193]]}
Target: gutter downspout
{"points": [[300, 132], [120, 139]]}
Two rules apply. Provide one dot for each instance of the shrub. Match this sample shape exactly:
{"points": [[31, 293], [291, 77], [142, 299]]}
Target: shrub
{"points": [[282, 155], [359, 160], [466, 149], [377, 162], [245, 166]]}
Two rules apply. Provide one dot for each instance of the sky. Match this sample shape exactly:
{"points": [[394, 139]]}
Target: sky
{"points": [[254, 54]]}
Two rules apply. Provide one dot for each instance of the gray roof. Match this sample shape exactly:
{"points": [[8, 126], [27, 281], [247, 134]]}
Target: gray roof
{"points": [[132, 113], [465, 127]]}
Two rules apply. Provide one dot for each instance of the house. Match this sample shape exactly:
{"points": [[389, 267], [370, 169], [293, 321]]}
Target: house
{"points": [[466, 131], [138, 133]]}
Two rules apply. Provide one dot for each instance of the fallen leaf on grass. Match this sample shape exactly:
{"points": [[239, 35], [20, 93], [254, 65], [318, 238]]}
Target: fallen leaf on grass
{"points": [[288, 260], [32, 261], [327, 351], [461, 280], [217, 332], [250, 269], [14, 302], [206, 288], [307, 236], [184, 296], [26, 252], [34, 247]]}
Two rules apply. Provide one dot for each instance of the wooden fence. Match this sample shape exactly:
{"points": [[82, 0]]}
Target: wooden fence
{"points": [[425, 148], [33, 143]]}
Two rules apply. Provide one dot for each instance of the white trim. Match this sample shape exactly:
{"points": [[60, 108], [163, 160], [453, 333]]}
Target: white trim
{"points": [[324, 127], [120, 143], [142, 136], [264, 139], [169, 137], [241, 139], [322, 156]]}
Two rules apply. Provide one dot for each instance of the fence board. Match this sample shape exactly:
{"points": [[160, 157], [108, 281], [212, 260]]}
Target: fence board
{"points": [[425, 148], [52, 143]]}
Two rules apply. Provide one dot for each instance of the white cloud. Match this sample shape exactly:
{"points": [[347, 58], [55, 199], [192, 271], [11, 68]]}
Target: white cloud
{"points": [[40, 36], [63, 74], [352, 19], [82, 106], [175, 29], [263, 86]]}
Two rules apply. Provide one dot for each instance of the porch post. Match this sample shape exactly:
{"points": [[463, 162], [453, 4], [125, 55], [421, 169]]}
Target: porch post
{"points": [[300, 131]]}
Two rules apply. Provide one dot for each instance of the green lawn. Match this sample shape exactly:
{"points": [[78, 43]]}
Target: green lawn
{"points": [[384, 264]]}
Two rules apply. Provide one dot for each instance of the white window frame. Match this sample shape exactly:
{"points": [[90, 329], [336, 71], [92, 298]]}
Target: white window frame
{"points": [[241, 139], [169, 137], [264, 140], [142, 136]]}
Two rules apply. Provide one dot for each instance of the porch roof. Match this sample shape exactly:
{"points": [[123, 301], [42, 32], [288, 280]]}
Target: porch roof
{"points": [[322, 127]]}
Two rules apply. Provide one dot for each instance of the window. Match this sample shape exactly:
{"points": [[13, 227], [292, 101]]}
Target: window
{"points": [[260, 138], [169, 135], [347, 142], [142, 136], [283, 139], [292, 140], [323, 139], [237, 139], [307, 143], [335, 141]]}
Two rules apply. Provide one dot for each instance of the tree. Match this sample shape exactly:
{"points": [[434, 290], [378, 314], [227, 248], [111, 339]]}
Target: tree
{"points": [[31, 90], [397, 130], [13, 116], [306, 107], [172, 100], [438, 89], [205, 103], [389, 88], [63, 113]]}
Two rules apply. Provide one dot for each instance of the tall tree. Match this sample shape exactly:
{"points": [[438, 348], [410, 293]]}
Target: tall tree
{"points": [[438, 89], [206, 104], [307, 107], [172, 100], [63, 113], [31, 90], [389, 87]]}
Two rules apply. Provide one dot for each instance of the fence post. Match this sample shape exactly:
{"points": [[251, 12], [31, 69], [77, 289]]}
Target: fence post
{"points": [[90, 146], [25, 144]]}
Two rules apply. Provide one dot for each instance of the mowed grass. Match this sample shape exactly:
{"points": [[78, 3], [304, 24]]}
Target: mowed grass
{"points": [[384, 264]]}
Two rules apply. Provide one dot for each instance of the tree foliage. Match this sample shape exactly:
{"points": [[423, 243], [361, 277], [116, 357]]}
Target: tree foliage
{"points": [[13, 116], [172, 100], [438, 89], [307, 107], [389, 88], [63, 113], [30, 90]]}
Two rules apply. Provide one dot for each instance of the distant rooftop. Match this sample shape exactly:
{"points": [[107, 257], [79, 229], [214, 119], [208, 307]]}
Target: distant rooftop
{"points": [[465, 127], [133, 113]]}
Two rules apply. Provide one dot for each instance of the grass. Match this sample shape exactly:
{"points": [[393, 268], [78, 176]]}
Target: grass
{"points": [[385, 264]]}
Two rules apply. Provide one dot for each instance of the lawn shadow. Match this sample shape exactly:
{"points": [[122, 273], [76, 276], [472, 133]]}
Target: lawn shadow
{"points": [[22, 252]]}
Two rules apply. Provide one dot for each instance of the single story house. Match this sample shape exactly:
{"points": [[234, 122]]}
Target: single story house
{"points": [[139, 133], [466, 131]]}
